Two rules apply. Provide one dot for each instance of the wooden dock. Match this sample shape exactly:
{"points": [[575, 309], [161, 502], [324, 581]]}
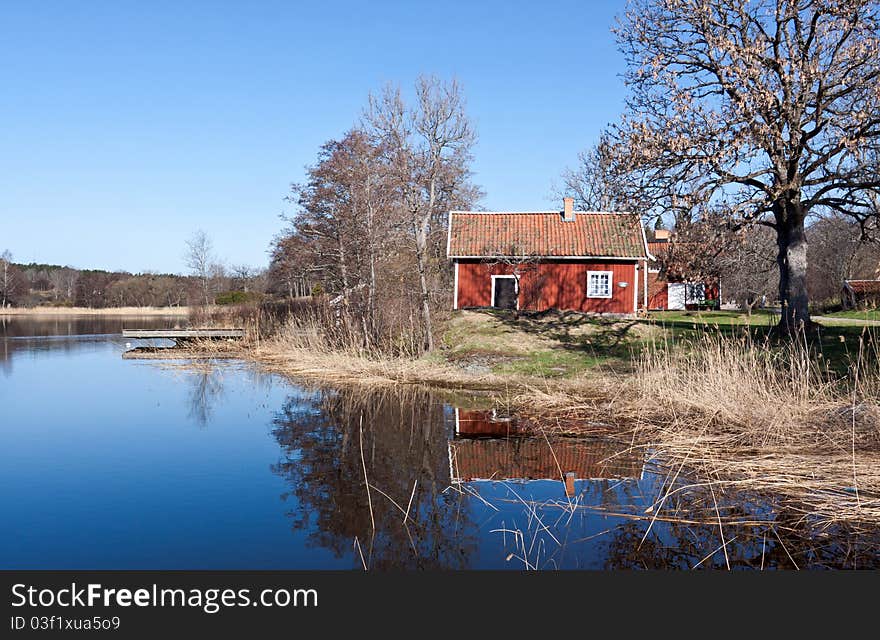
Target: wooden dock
{"points": [[183, 334]]}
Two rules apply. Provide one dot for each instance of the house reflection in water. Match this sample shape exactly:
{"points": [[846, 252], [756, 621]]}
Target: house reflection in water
{"points": [[489, 445]]}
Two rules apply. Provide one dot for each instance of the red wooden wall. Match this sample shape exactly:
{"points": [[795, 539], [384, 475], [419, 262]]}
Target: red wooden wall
{"points": [[658, 294], [551, 285]]}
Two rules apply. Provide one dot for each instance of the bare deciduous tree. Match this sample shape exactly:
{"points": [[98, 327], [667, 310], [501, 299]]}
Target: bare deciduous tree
{"points": [[841, 255], [346, 226], [428, 149], [245, 277], [200, 261], [13, 284], [771, 108], [593, 183], [5, 279], [63, 281], [747, 268]]}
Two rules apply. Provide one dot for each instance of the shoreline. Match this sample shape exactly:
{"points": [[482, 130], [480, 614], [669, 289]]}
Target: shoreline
{"points": [[801, 474], [745, 417], [88, 311], [342, 368]]}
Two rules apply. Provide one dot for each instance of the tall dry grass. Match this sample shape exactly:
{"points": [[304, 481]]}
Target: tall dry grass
{"points": [[312, 347], [758, 416]]}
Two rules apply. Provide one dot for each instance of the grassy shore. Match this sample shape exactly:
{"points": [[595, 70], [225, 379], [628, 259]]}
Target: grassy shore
{"points": [[797, 419], [484, 349], [88, 311]]}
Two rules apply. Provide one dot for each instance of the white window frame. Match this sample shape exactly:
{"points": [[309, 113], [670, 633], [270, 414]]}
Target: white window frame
{"points": [[515, 289], [695, 292], [610, 275]]}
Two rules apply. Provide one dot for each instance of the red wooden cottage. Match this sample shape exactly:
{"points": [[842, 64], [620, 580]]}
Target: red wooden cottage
{"points": [[593, 262]]}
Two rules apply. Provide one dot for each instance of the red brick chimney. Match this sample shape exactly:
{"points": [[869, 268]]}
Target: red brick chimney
{"points": [[568, 209]]}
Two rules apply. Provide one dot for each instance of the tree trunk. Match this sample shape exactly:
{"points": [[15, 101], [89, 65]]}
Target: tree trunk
{"points": [[346, 286], [422, 250], [426, 305], [792, 260], [371, 292]]}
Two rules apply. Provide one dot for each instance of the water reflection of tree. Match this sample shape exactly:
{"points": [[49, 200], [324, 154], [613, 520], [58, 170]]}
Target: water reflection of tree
{"points": [[206, 385], [5, 358], [403, 436]]}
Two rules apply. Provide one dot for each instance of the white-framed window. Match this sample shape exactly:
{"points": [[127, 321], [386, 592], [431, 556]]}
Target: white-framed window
{"points": [[695, 292], [599, 284]]}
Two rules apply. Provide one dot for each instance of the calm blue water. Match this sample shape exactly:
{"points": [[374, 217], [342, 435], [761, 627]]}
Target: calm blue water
{"points": [[108, 463]]}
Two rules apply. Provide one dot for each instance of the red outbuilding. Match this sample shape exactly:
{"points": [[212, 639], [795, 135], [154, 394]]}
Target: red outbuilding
{"points": [[671, 288], [595, 262]]}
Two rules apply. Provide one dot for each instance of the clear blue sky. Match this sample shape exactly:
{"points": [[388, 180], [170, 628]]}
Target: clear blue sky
{"points": [[128, 125]]}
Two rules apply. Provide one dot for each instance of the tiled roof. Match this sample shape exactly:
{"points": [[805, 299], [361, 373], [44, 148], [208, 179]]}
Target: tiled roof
{"points": [[496, 234], [540, 458], [658, 249], [864, 286]]}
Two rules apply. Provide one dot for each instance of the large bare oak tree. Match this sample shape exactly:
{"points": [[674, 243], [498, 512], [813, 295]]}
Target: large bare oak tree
{"points": [[768, 109]]}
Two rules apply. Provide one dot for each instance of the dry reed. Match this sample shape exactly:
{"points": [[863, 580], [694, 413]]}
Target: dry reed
{"points": [[766, 418]]}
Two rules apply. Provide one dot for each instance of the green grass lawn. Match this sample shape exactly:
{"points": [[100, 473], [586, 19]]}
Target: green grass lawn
{"points": [[855, 314], [551, 346], [836, 343], [758, 318], [564, 345]]}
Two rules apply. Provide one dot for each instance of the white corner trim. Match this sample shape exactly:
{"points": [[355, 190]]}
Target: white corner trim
{"points": [[452, 479], [645, 240], [516, 289], [636, 288], [455, 287], [449, 235]]}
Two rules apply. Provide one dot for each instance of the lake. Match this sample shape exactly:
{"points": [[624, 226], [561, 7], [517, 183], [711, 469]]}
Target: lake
{"points": [[130, 464]]}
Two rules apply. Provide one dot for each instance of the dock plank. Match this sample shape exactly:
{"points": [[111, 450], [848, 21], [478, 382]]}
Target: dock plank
{"points": [[177, 334]]}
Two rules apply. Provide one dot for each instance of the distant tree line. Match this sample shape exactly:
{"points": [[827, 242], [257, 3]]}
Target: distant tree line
{"points": [[34, 284]]}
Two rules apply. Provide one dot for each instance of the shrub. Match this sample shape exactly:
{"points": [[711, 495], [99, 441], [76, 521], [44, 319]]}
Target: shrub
{"points": [[237, 297]]}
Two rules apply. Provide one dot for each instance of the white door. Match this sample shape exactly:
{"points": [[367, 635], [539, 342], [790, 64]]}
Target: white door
{"points": [[676, 294]]}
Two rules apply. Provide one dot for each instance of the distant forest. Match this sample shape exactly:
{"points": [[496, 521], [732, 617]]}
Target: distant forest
{"points": [[28, 285]]}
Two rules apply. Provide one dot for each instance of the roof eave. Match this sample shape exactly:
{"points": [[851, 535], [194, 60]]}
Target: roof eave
{"points": [[542, 257]]}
